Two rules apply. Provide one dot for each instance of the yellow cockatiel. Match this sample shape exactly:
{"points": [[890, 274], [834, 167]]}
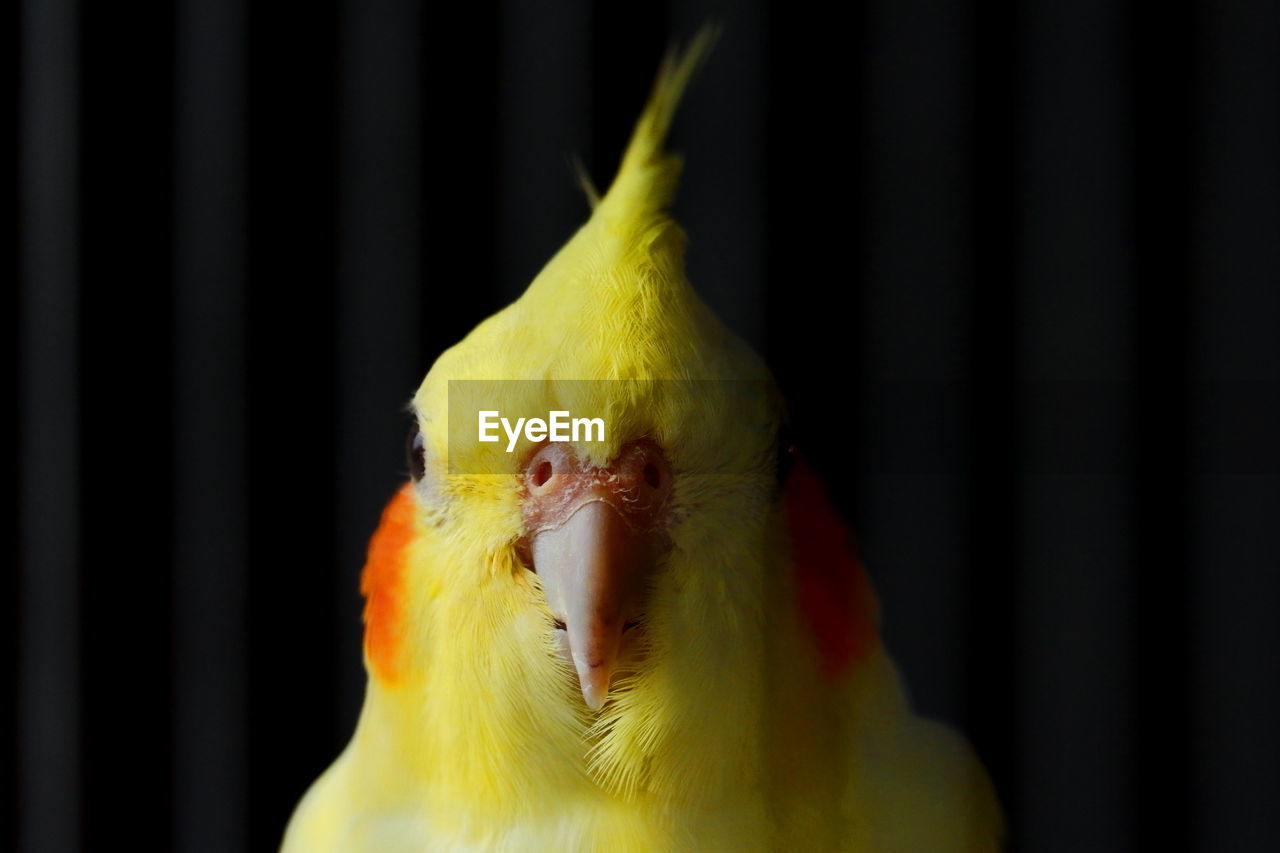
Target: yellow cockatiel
{"points": [[658, 641]]}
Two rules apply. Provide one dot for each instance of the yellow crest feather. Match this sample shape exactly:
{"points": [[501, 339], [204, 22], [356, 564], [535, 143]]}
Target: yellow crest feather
{"points": [[646, 180]]}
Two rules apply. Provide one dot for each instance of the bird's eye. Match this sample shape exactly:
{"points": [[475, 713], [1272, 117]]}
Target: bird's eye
{"points": [[784, 454], [415, 451]]}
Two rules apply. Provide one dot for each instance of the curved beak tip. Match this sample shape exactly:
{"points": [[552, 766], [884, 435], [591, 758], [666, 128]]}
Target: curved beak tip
{"points": [[594, 695], [594, 682]]}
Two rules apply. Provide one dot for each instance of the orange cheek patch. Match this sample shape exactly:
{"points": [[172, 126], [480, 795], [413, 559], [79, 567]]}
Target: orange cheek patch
{"points": [[833, 591], [382, 584]]}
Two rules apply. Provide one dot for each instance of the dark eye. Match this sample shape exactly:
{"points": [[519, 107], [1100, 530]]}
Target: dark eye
{"points": [[784, 453], [415, 451]]}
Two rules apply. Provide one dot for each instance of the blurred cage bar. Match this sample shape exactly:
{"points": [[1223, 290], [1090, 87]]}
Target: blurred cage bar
{"points": [[1016, 265]]}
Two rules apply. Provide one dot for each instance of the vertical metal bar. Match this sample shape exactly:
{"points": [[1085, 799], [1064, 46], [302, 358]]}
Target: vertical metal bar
{"points": [[1235, 418], [379, 289], [544, 81], [914, 340], [48, 686], [210, 537], [1076, 371]]}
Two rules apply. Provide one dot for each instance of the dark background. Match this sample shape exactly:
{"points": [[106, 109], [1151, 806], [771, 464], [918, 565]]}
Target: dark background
{"points": [[1017, 266]]}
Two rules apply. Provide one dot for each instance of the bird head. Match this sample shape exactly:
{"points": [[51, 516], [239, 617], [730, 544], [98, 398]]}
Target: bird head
{"points": [[637, 560]]}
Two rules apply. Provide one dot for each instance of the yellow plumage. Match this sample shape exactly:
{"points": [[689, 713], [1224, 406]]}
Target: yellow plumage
{"points": [[729, 738]]}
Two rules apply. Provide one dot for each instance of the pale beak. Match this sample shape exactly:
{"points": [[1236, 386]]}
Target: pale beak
{"points": [[593, 569]]}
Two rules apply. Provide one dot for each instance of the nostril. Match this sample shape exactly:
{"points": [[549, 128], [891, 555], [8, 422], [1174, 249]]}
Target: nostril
{"points": [[542, 473], [652, 475]]}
